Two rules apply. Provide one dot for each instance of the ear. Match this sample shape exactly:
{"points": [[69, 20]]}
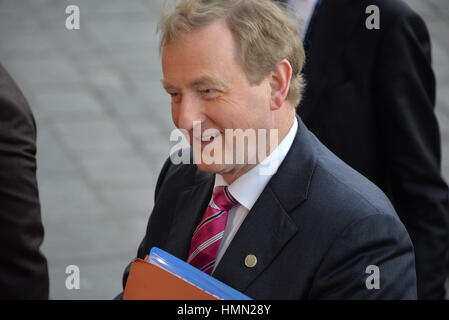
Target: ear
{"points": [[280, 83]]}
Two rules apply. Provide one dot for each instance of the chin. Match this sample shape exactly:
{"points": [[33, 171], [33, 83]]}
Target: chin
{"points": [[212, 168]]}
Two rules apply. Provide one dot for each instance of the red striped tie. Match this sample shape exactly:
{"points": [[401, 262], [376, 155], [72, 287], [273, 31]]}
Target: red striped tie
{"points": [[208, 234]]}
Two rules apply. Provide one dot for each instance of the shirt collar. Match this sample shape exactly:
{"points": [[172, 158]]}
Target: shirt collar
{"points": [[247, 188]]}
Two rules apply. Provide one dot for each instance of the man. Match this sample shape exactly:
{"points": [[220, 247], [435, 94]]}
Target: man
{"points": [[23, 268], [311, 229], [370, 99]]}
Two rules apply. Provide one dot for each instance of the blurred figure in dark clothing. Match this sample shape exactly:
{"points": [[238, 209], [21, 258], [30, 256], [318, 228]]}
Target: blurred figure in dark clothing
{"points": [[23, 268], [370, 99]]}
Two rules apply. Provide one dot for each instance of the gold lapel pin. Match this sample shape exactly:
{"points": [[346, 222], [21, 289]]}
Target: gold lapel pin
{"points": [[250, 261]]}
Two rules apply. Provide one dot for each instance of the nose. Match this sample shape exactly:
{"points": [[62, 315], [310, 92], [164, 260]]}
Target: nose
{"points": [[187, 111]]}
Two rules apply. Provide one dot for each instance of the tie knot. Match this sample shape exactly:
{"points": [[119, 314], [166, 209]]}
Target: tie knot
{"points": [[223, 199]]}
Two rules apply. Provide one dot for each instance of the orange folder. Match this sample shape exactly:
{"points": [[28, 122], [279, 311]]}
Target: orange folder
{"points": [[147, 281]]}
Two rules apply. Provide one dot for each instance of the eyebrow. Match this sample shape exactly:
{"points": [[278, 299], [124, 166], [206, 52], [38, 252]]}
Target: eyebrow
{"points": [[209, 81], [167, 85], [206, 80]]}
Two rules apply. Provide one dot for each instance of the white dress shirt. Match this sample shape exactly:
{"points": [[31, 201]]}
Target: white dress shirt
{"points": [[247, 188], [303, 10]]}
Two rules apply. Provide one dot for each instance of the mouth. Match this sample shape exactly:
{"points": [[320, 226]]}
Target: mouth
{"points": [[210, 137], [207, 139]]}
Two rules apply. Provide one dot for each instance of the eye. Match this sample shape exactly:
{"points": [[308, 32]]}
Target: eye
{"points": [[210, 93], [175, 96]]}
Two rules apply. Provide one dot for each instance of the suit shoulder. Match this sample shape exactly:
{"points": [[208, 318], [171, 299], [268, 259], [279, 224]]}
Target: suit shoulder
{"points": [[14, 107], [350, 193], [391, 11]]}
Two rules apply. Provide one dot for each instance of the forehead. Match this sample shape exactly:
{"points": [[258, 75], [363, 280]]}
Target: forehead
{"points": [[207, 52], [217, 32]]}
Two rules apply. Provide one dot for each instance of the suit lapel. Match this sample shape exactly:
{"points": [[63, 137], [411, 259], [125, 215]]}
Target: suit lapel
{"points": [[190, 208], [268, 226], [264, 232]]}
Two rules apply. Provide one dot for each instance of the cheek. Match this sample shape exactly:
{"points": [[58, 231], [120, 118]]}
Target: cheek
{"points": [[223, 112], [248, 108], [256, 109]]}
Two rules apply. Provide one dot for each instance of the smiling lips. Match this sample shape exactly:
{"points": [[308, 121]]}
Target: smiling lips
{"points": [[207, 138], [210, 138]]}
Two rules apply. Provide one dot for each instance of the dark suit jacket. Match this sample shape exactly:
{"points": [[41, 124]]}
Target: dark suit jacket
{"points": [[23, 268], [370, 99], [315, 229]]}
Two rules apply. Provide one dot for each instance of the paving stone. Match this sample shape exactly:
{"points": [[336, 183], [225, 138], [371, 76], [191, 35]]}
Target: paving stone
{"points": [[441, 7], [123, 104], [142, 66], [131, 202], [422, 8], [117, 168], [18, 43], [113, 34], [45, 71], [68, 104], [52, 161], [76, 237], [95, 136], [100, 279]]}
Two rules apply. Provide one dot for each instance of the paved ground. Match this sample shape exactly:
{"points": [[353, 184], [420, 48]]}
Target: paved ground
{"points": [[104, 122]]}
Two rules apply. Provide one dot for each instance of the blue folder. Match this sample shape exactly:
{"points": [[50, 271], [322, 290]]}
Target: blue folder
{"points": [[194, 276]]}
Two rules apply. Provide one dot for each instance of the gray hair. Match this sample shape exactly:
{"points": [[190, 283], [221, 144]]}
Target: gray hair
{"points": [[264, 32]]}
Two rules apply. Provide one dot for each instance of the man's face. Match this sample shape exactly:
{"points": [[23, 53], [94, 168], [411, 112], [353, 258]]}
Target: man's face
{"points": [[208, 85]]}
